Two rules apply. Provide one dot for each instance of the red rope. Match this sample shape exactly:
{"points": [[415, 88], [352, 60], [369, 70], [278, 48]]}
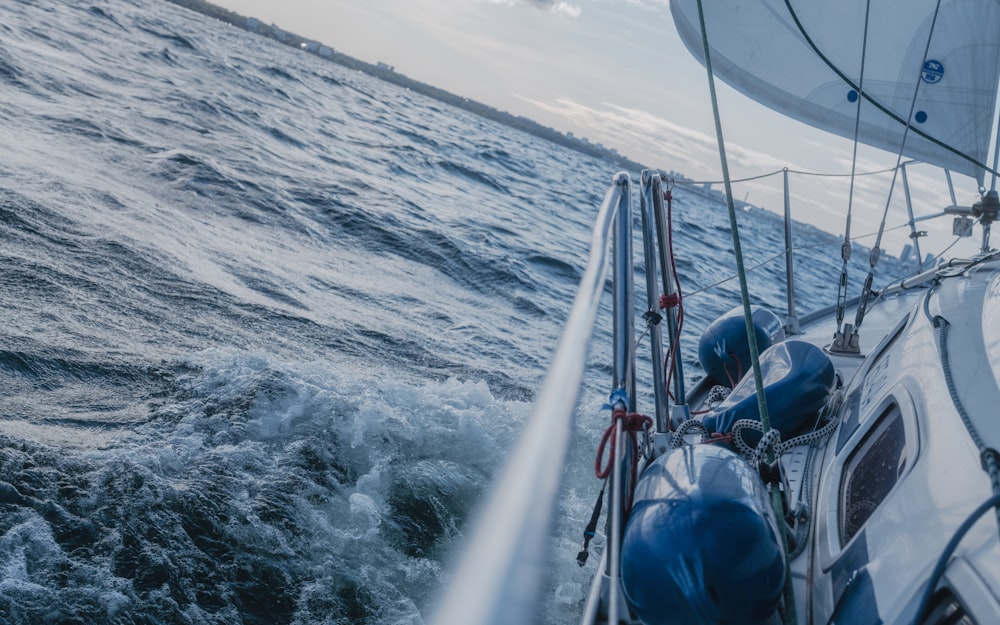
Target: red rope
{"points": [[631, 423], [675, 300], [739, 370], [719, 437], [670, 301]]}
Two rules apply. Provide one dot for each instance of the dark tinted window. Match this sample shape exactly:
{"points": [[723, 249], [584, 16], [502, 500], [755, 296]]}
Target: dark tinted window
{"points": [[871, 472], [946, 610]]}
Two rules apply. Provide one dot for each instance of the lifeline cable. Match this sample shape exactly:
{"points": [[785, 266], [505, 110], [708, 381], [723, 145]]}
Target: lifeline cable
{"points": [[801, 172]]}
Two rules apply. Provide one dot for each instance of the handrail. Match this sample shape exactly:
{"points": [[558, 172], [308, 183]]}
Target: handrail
{"points": [[623, 304], [500, 574], [667, 276], [622, 387], [650, 222]]}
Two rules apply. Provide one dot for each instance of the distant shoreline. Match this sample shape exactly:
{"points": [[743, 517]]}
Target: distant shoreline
{"points": [[388, 74]]}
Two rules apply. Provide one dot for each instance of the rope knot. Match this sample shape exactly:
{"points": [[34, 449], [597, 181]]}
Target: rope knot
{"points": [[634, 422], [672, 300], [631, 422]]}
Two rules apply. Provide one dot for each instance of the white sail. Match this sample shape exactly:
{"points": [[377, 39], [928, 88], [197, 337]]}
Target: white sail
{"points": [[810, 69]]}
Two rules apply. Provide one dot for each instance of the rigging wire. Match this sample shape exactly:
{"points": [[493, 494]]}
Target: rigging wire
{"points": [[734, 227], [776, 497], [802, 248], [873, 257], [996, 156], [845, 246]]}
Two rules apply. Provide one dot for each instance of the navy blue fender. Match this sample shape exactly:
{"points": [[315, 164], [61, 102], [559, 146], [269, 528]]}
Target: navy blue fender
{"points": [[798, 380], [723, 349], [701, 545]]}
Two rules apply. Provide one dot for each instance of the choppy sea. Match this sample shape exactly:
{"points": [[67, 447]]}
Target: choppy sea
{"points": [[269, 326]]}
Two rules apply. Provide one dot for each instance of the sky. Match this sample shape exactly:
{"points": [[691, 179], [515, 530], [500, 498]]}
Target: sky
{"points": [[616, 73]]}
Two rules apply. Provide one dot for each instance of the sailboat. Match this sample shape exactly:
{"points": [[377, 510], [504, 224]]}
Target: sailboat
{"points": [[841, 466]]}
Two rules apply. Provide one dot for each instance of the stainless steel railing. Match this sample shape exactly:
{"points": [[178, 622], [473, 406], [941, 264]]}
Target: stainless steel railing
{"points": [[502, 569]]}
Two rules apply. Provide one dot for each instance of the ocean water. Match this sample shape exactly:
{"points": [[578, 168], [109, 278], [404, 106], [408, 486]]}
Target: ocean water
{"points": [[268, 326]]}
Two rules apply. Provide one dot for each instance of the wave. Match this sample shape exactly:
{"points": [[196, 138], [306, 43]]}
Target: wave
{"points": [[262, 492], [271, 325]]}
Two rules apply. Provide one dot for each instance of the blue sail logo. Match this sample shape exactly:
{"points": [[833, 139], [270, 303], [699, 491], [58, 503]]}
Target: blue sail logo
{"points": [[933, 71]]}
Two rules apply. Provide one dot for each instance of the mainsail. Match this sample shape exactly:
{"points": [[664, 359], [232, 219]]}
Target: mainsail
{"points": [[803, 58]]}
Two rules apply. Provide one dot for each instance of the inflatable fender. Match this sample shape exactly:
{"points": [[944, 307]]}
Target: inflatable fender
{"points": [[723, 349], [702, 544], [798, 380]]}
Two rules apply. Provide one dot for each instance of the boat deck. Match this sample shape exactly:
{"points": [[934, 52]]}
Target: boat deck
{"points": [[878, 327], [884, 316]]}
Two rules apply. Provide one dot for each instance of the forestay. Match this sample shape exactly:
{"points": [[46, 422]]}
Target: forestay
{"points": [[809, 67]]}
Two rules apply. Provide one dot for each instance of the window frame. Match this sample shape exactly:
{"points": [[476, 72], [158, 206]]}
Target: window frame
{"points": [[858, 459], [830, 543]]}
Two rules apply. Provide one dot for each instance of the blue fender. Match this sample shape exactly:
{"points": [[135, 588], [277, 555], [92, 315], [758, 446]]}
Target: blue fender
{"points": [[798, 380], [723, 349], [701, 545]]}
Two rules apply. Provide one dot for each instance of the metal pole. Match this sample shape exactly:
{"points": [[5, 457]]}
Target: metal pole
{"points": [[666, 273], [996, 155], [914, 235], [623, 384], [623, 306], [951, 186], [792, 320], [650, 178]]}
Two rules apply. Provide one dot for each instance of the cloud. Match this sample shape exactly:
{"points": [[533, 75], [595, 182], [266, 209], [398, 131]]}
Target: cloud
{"points": [[649, 5], [557, 7], [650, 138], [655, 141], [567, 9]]}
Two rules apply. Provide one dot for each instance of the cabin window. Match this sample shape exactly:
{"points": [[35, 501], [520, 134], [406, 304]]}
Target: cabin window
{"points": [[871, 471]]}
